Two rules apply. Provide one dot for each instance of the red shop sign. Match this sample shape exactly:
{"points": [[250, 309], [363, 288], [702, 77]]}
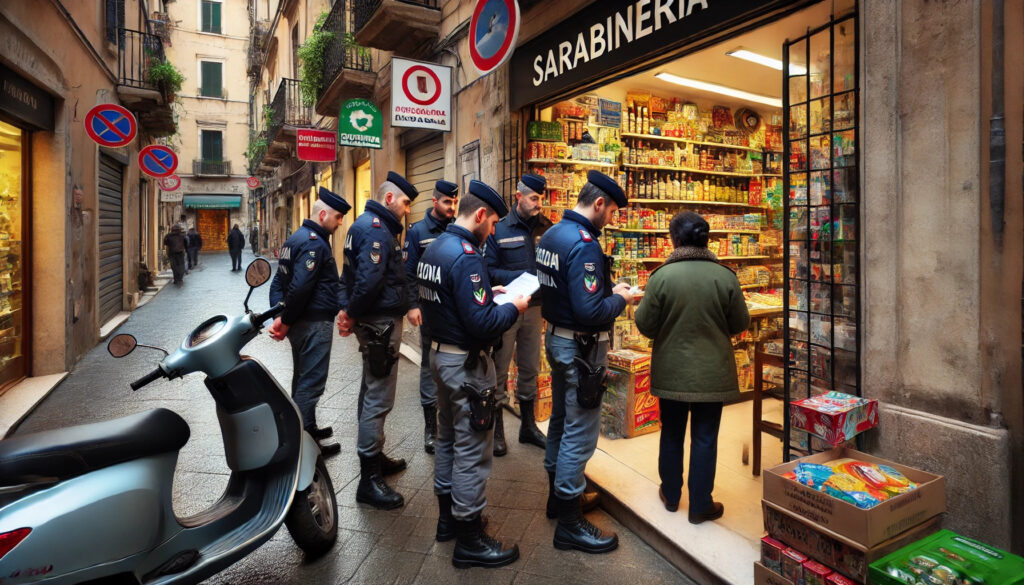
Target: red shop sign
{"points": [[316, 145]]}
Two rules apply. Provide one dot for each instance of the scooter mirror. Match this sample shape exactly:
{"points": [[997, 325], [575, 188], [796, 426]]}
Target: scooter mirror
{"points": [[122, 345], [258, 272]]}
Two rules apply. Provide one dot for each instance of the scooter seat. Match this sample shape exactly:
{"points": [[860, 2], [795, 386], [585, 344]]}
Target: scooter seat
{"points": [[73, 451]]}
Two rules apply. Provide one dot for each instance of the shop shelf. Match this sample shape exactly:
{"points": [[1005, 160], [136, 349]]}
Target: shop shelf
{"points": [[743, 257], [639, 230], [734, 231], [565, 161], [688, 141], [688, 170], [652, 260], [752, 286], [690, 202], [588, 124]]}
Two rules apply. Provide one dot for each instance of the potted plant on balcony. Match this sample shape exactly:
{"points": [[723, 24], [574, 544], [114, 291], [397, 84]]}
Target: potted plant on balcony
{"points": [[164, 75], [312, 53]]}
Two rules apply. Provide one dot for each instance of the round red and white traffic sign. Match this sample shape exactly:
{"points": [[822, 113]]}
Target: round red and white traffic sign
{"points": [[110, 125], [421, 85], [170, 183], [493, 31], [253, 182]]}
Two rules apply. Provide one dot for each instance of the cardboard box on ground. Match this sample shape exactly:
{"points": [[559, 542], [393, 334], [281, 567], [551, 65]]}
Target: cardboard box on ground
{"points": [[628, 408]]}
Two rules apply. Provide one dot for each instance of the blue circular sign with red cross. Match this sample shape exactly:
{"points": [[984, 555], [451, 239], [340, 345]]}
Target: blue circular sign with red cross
{"points": [[110, 125], [158, 161], [492, 33]]}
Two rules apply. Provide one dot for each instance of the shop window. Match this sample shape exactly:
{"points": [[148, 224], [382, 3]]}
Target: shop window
{"points": [[822, 338], [13, 276], [212, 79], [210, 17], [113, 19]]}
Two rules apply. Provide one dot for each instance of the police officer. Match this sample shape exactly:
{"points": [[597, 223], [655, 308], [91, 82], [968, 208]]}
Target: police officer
{"points": [[509, 253], [417, 238], [374, 297], [580, 306], [458, 306], [307, 283]]}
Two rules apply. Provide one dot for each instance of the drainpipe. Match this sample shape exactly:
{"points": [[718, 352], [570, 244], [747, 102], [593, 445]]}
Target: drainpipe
{"points": [[997, 129]]}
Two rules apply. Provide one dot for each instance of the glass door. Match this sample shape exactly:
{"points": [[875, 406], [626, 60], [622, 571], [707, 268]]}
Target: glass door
{"points": [[822, 210], [13, 273]]}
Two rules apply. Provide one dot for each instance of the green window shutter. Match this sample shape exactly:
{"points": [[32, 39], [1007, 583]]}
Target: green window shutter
{"points": [[213, 146], [212, 78], [215, 17]]}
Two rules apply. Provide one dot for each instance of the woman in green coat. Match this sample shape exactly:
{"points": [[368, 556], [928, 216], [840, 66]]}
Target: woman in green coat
{"points": [[691, 308]]}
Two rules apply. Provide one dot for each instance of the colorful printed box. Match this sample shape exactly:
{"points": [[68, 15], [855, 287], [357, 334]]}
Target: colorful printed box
{"points": [[834, 416]]}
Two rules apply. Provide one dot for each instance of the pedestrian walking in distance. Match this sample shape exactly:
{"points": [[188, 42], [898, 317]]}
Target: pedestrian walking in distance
{"points": [[510, 252], [375, 294], [418, 237], [254, 240], [174, 241], [691, 309], [195, 244], [236, 241], [465, 323], [580, 306], [307, 283]]}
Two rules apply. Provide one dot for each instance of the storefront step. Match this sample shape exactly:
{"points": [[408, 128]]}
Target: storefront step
{"points": [[20, 399]]}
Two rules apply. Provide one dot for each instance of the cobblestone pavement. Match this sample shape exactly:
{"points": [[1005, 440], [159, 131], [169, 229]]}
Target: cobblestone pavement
{"points": [[373, 547]]}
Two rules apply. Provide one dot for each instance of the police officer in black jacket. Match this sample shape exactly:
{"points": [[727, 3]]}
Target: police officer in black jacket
{"points": [[580, 306], [307, 283], [375, 294], [509, 253], [465, 322], [417, 238]]}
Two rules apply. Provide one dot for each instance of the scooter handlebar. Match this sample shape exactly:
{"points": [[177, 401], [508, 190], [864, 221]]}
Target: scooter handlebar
{"points": [[259, 318], [157, 373]]}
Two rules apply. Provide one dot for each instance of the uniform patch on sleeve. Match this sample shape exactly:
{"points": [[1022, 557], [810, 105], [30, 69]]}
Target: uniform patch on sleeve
{"points": [[479, 292], [375, 253], [474, 278], [310, 264], [312, 236], [590, 283], [468, 248], [405, 255], [286, 253], [586, 236], [376, 222], [312, 253], [589, 266]]}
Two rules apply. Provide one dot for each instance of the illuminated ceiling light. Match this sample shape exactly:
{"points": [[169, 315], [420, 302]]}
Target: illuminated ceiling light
{"points": [[720, 89], [766, 61]]}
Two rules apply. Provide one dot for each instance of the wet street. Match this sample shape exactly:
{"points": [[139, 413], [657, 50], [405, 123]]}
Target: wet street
{"points": [[373, 547]]}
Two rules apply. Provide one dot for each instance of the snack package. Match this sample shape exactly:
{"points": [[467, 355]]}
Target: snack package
{"points": [[838, 579], [815, 573], [812, 475], [793, 565], [771, 554]]}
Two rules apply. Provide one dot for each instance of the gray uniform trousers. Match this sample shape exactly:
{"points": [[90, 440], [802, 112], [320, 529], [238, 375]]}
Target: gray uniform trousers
{"points": [[376, 395], [428, 389], [572, 430], [523, 339], [462, 457]]}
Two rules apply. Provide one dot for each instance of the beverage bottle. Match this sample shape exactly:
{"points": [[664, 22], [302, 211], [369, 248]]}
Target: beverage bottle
{"points": [[707, 191], [676, 187], [629, 185]]}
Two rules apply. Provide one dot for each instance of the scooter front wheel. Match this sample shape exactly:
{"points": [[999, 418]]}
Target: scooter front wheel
{"points": [[313, 518]]}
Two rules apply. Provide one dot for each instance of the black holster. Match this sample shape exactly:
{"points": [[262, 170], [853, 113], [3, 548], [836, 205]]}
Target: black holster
{"points": [[379, 352], [482, 404], [591, 374]]}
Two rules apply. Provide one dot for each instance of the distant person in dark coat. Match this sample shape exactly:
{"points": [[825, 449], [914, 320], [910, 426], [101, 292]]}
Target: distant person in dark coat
{"points": [[194, 245], [236, 241], [254, 240], [175, 243]]}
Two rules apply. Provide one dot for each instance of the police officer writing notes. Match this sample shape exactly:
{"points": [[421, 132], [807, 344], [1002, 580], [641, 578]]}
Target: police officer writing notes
{"points": [[374, 297], [307, 283], [509, 253], [464, 321], [418, 237], [580, 306]]}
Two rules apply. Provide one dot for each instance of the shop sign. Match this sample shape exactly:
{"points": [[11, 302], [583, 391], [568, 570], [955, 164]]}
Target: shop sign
{"points": [[24, 101], [605, 37], [158, 161], [421, 95], [252, 182], [493, 31], [172, 196], [316, 145], [170, 183], [360, 123]]}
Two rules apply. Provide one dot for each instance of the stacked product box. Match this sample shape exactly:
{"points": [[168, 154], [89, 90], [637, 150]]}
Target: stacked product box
{"points": [[947, 557], [828, 516], [629, 409]]}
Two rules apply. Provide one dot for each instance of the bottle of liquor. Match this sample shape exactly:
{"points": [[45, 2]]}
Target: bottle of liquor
{"points": [[676, 187], [629, 185], [631, 117]]}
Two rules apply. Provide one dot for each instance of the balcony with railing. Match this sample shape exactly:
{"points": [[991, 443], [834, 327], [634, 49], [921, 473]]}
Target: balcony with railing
{"points": [[140, 87], [257, 49], [288, 113], [405, 27], [211, 168], [348, 69]]}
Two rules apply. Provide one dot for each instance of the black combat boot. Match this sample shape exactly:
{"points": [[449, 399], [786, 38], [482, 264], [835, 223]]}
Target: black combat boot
{"points": [[500, 448], [372, 489], [429, 428], [588, 500], [475, 548], [389, 466], [528, 431], [445, 522], [575, 531]]}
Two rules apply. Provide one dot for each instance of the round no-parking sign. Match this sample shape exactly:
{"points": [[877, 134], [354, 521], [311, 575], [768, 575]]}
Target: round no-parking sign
{"points": [[493, 31], [158, 161], [422, 97], [252, 182], [110, 125]]}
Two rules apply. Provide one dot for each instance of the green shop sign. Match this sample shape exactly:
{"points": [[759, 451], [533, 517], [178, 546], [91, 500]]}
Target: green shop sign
{"points": [[360, 124]]}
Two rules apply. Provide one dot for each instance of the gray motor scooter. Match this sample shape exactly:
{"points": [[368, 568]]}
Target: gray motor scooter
{"points": [[92, 503]]}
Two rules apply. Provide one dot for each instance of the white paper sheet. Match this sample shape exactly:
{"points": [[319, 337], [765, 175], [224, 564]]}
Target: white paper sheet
{"points": [[525, 284]]}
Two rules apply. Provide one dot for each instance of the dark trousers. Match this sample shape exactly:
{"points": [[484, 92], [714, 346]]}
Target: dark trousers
{"points": [[311, 355], [178, 265], [193, 257], [703, 451], [236, 259]]}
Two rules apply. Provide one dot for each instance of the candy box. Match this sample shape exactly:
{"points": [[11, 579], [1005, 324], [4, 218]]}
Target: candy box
{"points": [[765, 576], [629, 409], [947, 557], [793, 565], [837, 579], [771, 554], [834, 416], [629, 360], [815, 573]]}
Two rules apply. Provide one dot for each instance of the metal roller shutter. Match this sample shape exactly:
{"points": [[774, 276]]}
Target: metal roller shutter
{"points": [[111, 286], [424, 166]]}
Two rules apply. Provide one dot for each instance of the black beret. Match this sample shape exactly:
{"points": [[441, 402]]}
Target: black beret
{"points": [[489, 196], [608, 185], [447, 188], [334, 200], [402, 184], [536, 183]]}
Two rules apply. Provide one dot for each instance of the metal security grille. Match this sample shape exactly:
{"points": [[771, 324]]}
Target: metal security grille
{"points": [[511, 164], [822, 220], [111, 288], [424, 166]]}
